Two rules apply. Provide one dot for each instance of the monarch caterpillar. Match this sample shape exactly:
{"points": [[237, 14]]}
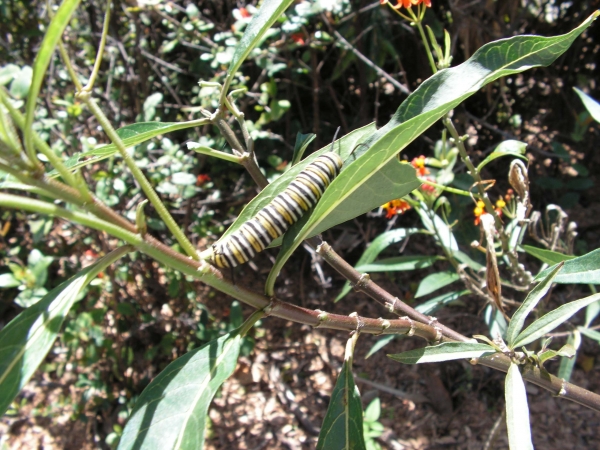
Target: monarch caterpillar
{"points": [[284, 210]]}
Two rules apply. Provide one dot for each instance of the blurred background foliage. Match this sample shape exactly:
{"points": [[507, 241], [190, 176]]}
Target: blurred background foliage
{"points": [[316, 70]]}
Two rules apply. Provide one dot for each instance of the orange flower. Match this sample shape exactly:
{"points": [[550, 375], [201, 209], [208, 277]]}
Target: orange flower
{"points": [[419, 164], [298, 38], [201, 179], [406, 3], [244, 13], [479, 211], [395, 207]]}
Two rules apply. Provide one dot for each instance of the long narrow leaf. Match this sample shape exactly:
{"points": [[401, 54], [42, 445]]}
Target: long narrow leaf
{"points": [[583, 269], [268, 13], [447, 351], [343, 424], [132, 135], [26, 340], [547, 256], [536, 294], [552, 320], [42, 60], [517, 411]]}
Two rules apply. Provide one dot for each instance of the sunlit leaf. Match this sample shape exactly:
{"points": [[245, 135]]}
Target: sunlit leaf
{"points": [[546, 256], [517, 411], [447, 351], [583, 269], [173, 410], [553, 319], [533, 298], [592, 106], [505, 148]]}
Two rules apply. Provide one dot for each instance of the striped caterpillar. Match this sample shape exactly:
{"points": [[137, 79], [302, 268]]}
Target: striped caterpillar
{"points": [[284, 210]]}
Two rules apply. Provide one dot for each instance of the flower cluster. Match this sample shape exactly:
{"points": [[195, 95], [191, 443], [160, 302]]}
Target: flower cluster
{"points": [[406, 3], [480, 209], [419, 164], [395, 207]]}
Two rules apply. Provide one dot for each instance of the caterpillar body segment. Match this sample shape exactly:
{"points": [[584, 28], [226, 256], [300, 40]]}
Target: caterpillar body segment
{"points": [[284, 210]]}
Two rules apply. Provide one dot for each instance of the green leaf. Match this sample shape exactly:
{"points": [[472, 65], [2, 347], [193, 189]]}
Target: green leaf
{"points": [[438, 228], [505, 148], [518, 319], [131, 135], [432, 305], [379, 244], [44, 55], [446, 351], [25, 341], [517, 411], [592, 334], [399, 263], [553, 319], [173, 410], [302, 142], [8, 280], [20, 85], [583, 269], [592, 106], [343, 424], [268, 13], [546, 256], [435, 281], [373, 411], [566, 364], [381, 342]]}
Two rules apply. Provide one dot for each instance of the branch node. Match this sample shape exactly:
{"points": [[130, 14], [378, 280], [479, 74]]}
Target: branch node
{"points": [[322, 317], [361, 283], [563, 389], [359, 323], [411, 331], [392, 306], [385, 324], [433, 322]]}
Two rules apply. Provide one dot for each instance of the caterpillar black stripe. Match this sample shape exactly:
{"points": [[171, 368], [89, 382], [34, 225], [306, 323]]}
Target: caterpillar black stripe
{"points": [[274, 219]]}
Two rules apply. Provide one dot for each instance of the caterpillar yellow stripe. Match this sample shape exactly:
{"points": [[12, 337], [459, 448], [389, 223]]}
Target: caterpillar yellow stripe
{"points": [[284, 210]]}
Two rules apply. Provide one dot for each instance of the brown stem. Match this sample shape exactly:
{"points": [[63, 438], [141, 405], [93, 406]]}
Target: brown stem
{"points": [[363, 283]]}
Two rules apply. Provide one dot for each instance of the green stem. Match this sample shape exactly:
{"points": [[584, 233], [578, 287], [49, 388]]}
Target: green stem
{"points": [[445, 188], [218, 154], [41, 145], [138, 175], [427, 47], [88, 87]]}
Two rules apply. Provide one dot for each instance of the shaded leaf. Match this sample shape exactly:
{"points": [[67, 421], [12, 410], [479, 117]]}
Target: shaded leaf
{"points": [[381, 342], [435, 281], [379, 244], [432, 305], [343, 424], [26, 340]]}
